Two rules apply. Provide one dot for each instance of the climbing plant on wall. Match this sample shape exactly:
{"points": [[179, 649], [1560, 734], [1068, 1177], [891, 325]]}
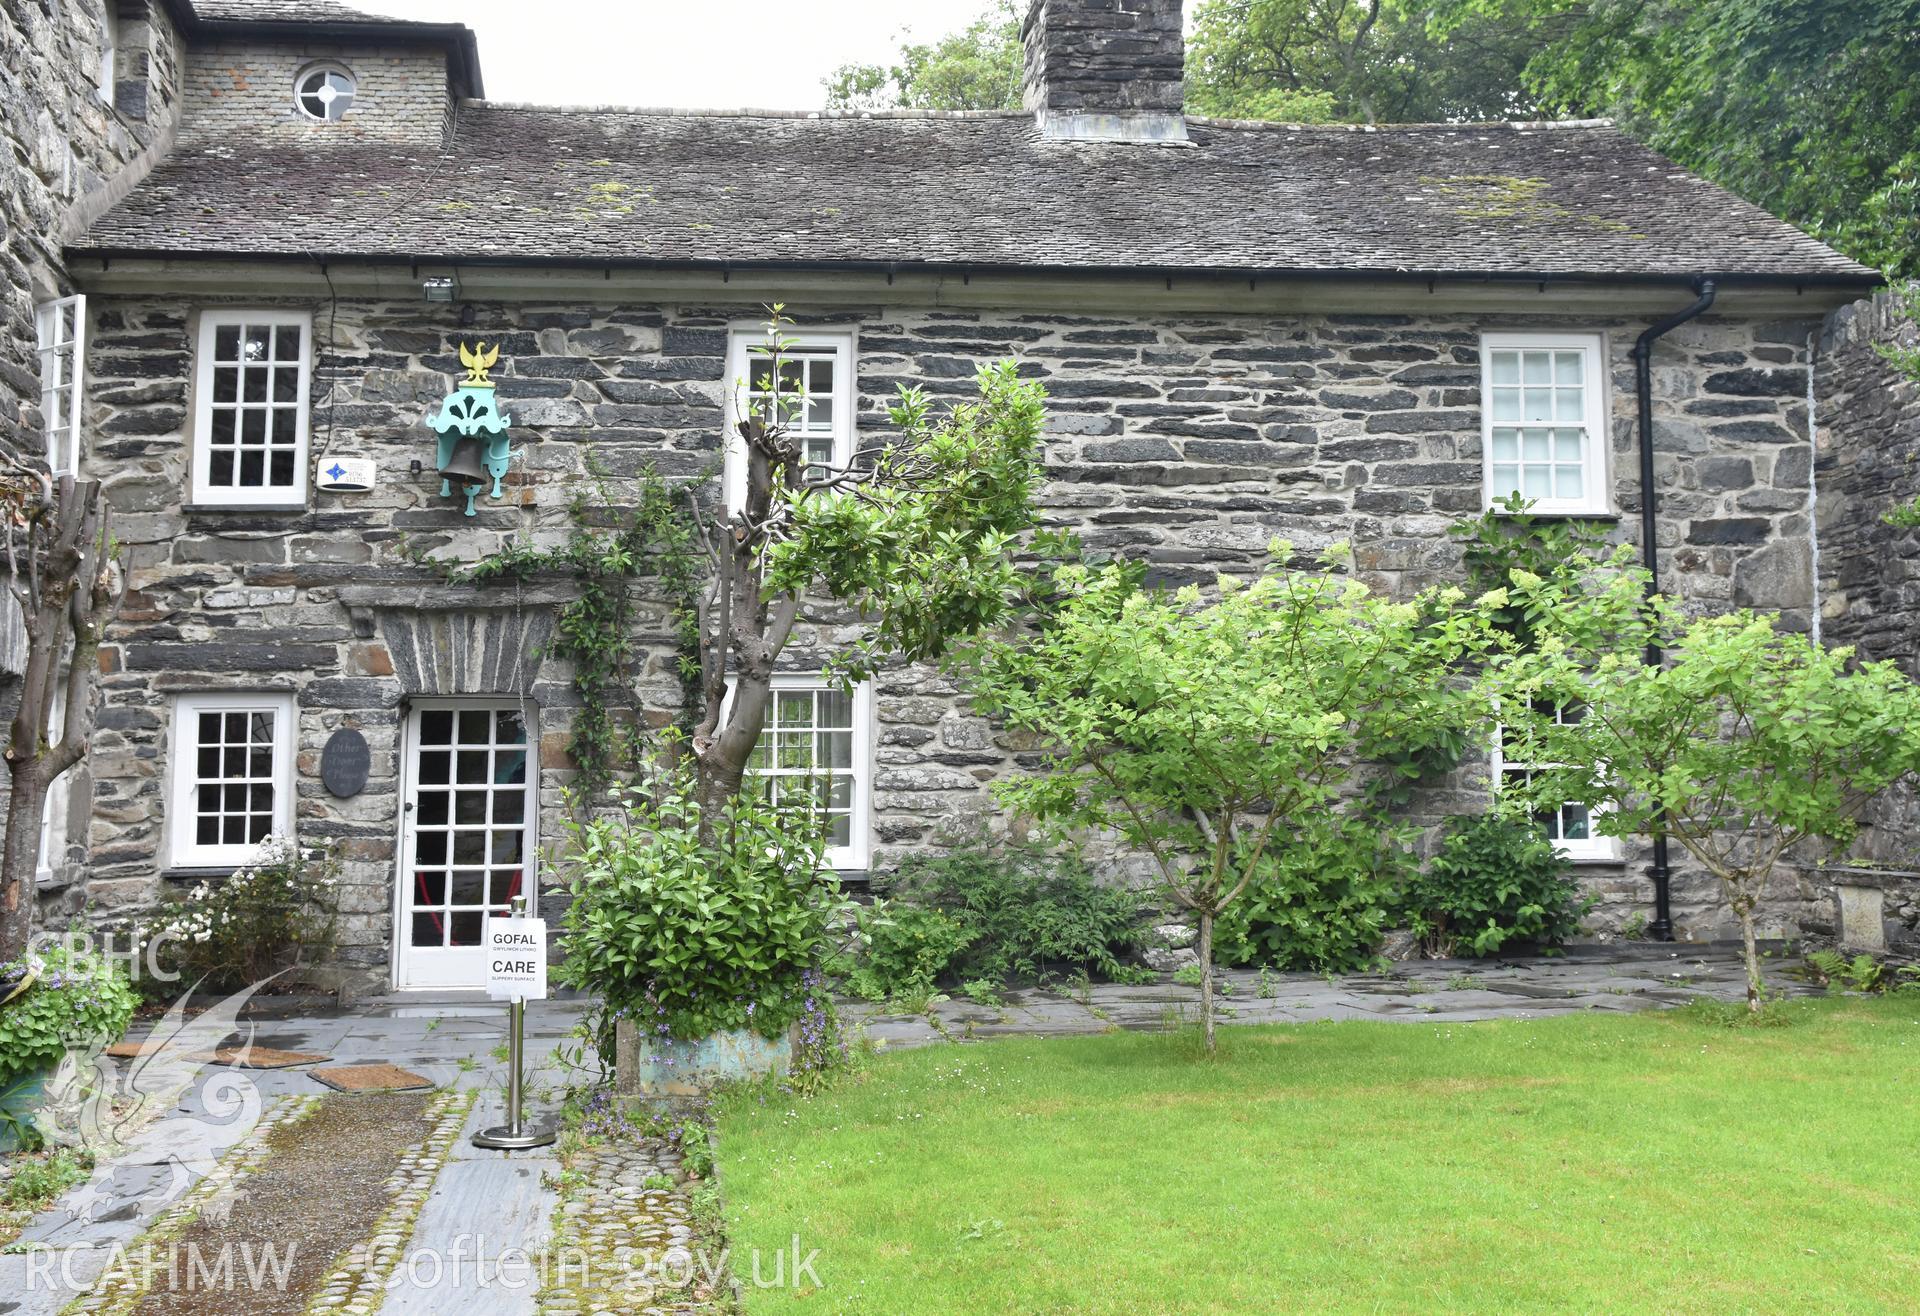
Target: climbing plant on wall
{"points": [[609, 551]]}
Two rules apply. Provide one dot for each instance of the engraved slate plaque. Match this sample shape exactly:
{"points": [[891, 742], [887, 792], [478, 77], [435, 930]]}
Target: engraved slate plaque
{"points": [[344, 763]]}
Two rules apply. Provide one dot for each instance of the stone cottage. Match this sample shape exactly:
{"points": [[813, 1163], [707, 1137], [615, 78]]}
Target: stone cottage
{"points": [[249, 238]]}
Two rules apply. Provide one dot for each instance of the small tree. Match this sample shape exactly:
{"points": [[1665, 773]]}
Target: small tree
{"points": [[63, 578], [915, 534], [1209, 735], [1744, 741]]}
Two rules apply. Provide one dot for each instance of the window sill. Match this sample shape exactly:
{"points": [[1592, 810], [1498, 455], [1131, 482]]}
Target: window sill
{"points": [[1594, 860], [201, 509], [1594, 515], [184, 875]]}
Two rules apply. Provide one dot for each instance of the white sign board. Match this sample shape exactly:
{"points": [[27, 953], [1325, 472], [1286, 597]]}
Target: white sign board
{"points": [[516, 951]]}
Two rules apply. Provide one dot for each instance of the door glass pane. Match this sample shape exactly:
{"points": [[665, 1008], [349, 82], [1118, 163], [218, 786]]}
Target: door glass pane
{"points": [[477, 859], [469, 886]]}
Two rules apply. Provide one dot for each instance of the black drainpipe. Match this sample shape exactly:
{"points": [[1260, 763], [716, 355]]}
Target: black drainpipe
{"points": [[1661, 929]]}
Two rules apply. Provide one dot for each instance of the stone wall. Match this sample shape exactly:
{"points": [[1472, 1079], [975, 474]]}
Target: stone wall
{"points": [[1869, 443], [68, 146], [245, 92], [1104, 56], [1191, 441], [61, 142]]}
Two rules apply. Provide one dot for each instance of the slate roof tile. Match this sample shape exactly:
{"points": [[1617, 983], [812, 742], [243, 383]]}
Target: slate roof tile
{"points": [[981, 190], [286, 11]]}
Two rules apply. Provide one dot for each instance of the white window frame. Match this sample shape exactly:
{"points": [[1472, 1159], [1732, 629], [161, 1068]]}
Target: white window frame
{"points": [[184, 850], [1595, 849], [55, 808], [854, 856], [63, 379], [1597, 498], [109, 49], [743, 343], [333, 66], [204, 492]]}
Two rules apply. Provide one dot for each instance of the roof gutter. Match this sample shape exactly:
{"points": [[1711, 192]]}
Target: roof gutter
{"points": [[1661, 871], [1864, 282]]}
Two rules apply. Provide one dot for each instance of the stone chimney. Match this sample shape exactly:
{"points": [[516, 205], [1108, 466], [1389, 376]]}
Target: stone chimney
{"points": [[1106, 70]]}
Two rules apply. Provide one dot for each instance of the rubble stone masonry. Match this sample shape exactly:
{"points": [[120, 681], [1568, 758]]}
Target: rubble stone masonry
{"points": [[1190, 441]]}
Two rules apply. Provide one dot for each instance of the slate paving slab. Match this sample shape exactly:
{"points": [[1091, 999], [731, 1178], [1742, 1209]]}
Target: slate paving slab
{"points": [[40, 1284], [481, 1229]]}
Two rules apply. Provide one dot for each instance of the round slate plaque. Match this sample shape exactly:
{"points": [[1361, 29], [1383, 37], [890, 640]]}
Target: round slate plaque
{"points": [[344, 762]]}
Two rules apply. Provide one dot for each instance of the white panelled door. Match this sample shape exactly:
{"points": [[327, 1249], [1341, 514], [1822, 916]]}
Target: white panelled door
{"points": [[467, 839]]}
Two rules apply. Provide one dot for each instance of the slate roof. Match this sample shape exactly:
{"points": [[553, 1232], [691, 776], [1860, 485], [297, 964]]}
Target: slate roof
{"points": [[980, 190], [285, 11]]}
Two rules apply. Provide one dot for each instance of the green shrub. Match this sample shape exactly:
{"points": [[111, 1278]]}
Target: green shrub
{"points": [[1493, 881], [1323, 903], [693, 930], [275, 912], [909, 948], [1030, 914]]}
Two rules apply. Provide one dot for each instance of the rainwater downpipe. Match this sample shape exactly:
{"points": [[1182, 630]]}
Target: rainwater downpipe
{"points": [[1661, 929]]}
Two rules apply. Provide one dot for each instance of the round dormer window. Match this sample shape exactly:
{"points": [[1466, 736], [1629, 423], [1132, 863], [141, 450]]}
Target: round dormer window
{"points": [[324, 92]]}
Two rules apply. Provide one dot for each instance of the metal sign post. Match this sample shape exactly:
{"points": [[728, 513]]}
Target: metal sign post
{"points": [[517, 969]]}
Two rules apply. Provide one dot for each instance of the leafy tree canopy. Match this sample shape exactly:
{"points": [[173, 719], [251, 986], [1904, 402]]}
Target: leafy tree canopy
{"points": [[1744, 741], [1809, 110], [1369, 61], [1213, 736], [976, 68]]}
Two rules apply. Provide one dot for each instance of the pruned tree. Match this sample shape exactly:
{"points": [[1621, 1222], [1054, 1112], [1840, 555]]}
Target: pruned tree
{"points": [[1743, 742], [1213, 736], [916, 534], [64, 578]]}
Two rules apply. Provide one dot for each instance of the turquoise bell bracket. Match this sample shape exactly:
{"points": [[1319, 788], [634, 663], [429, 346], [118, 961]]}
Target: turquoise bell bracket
{"points": [[471, 412]]}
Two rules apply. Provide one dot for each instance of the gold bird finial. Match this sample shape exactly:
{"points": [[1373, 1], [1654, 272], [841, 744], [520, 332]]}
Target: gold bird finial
{"points": [[478, 361]]}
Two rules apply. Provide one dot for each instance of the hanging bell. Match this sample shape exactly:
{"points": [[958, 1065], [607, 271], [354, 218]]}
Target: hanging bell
{"points": [[465, 463]]}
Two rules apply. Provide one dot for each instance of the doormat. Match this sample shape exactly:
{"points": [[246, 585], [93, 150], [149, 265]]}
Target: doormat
{"points": [[125, 1050], [257, 1057], [370, 1078]]}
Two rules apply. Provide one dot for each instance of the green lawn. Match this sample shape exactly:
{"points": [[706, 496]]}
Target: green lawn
{"points": [[1654, 1163]]}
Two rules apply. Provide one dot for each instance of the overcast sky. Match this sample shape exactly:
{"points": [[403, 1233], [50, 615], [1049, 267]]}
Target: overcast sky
{"points": [[766, 54]]}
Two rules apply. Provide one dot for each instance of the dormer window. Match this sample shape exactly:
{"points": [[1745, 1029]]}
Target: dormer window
{"points": [[324, 92]]}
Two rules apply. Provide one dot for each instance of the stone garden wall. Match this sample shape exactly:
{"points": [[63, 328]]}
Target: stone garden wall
{"points": [[1191, 441], [1869, 432]]}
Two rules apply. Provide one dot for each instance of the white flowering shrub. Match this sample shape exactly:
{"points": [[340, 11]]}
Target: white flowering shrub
{"points": [[278, 910]]}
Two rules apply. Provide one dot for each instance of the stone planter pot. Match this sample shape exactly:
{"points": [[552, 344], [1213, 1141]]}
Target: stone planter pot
{"points": [[20, 1098], [649, 1068], [1860, 903]]}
